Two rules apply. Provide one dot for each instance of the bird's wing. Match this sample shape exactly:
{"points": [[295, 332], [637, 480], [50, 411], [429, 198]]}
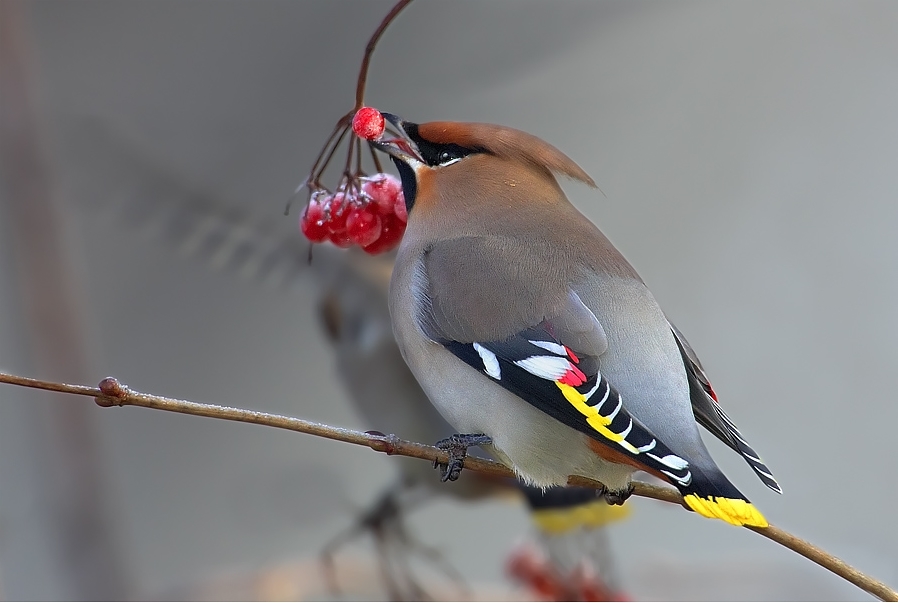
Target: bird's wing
{"points": [[711, 416], [551, 360]]}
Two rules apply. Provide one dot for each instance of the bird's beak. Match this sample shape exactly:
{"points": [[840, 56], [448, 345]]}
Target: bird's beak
{"points": [[396, 141]]}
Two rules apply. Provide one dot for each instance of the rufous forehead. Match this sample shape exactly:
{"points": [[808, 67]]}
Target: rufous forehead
{"points": [[446, 132], [503, 142]]}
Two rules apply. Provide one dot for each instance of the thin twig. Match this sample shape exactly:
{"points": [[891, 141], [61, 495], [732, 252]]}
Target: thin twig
{"points": [[376, 160], [313, 180], [369, 51], [112, 393]]}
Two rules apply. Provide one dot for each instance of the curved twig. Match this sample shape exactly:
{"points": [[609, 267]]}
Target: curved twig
{"points": [[112, 393], [369, 51], [342, 127]]}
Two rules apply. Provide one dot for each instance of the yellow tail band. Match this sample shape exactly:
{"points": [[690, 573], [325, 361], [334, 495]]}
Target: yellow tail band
{"points": [[593, 514], [731, 510]]}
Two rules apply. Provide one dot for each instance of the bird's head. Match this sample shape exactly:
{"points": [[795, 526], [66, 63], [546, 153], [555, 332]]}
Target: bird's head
{"points": [[468, 154]]}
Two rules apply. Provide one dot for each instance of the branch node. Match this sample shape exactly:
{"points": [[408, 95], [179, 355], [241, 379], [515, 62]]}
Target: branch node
{"points": [[114, 393], [382, 442]]}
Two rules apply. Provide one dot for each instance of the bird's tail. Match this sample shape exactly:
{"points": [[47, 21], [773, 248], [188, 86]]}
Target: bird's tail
{"points": [[573, 560], [710, 494]]}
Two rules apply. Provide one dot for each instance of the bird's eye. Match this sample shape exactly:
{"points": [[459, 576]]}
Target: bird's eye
{"points": [[442, 155], [447, 157]]}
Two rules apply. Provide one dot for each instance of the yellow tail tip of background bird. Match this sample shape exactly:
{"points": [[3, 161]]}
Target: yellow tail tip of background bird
{"points": [[731, 510], [594, 514]]}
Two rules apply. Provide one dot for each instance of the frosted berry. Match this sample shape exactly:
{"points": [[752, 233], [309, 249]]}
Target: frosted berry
{"points": [[382, 189], [399, 207], [312, 222], [338, 209], [341, 239], [391, 231], [363, 225], [368, 123]]}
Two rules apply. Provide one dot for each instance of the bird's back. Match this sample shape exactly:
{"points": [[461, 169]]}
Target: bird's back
{"points": [[642, 361]]}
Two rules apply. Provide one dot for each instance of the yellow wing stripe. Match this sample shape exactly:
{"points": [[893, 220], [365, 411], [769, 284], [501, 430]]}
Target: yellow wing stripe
{"points": [[731, 510], [594, 514], [578, 401], [593, 418]]}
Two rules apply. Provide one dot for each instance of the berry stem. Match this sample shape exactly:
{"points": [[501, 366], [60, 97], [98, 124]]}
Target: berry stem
{"points": [[358, 156], [344, 124], [369, 51], [376, 159], [317, 169], [312, 181]]}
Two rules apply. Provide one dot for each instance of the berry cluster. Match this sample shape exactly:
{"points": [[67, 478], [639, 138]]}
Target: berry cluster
{"points": [[529, 565], [372, 216], [368, 211]]}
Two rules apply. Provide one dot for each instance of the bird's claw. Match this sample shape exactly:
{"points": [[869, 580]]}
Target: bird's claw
{"points": [[457, 446], [618, 498]]}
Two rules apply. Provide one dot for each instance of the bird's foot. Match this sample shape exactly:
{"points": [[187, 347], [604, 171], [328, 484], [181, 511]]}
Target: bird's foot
{"points": [[457, 446], [619, 497]]}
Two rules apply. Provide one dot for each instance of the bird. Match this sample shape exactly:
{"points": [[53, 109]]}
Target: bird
{"points": [[144, 197], [570, 523], [533, 335]]}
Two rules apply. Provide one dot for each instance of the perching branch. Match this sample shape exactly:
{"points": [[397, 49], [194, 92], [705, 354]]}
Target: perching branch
{"points": [[112, 393]]}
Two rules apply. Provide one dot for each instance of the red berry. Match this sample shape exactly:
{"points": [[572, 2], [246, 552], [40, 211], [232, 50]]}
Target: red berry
{"points": [[399, 207], [338, 209], [382, 189], [312, 222], [363, 225], [341, 239], [368, 123], [391, 231]]}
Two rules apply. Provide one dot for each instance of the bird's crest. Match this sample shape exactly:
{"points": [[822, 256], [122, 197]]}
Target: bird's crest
{"points": [[506, 143]]}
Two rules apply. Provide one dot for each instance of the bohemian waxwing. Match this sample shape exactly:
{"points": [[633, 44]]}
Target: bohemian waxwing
{"points": [[354, 312], [149, 201], [532, 334]]}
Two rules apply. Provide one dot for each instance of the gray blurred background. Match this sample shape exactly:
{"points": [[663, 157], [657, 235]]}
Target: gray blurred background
{"points": [[748, 155]]}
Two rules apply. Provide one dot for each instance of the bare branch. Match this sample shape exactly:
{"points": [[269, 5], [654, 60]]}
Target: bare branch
{"points": [[112, 393]]}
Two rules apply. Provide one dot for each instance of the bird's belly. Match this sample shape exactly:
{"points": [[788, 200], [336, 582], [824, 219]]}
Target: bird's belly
{"points": [[541, 450]]}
